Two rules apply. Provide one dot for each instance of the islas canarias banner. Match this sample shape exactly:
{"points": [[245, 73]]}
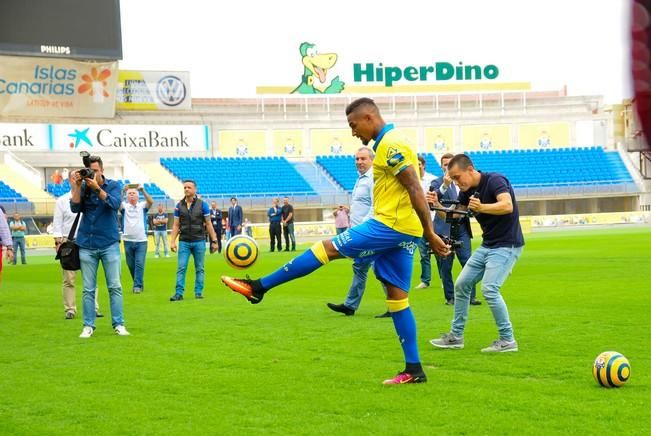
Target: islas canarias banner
{"points": [[40, 87]]}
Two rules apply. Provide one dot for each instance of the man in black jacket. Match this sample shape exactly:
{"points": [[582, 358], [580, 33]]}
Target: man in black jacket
{"points": [[191, 220]]}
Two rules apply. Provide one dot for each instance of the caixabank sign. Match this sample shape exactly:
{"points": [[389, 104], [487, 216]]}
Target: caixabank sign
{"points": [[42, 87], [102, 138]]}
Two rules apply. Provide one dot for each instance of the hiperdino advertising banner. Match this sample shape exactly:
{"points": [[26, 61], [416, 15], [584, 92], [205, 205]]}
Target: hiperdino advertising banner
{"points": [[153, 90], [323, 73], [101, 138], [39, 87]]}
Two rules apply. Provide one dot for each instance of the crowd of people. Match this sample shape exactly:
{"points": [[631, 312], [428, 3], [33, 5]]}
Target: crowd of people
{"points": [[396, 209]]}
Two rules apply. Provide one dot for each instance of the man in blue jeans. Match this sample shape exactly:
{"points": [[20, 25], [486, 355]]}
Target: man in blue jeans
{"points": [[134, 233], [191, 220], [491, 198], [98, 240], [160, 231]]}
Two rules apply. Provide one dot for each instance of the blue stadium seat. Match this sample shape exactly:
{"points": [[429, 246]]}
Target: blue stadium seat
{"points": [[242, 176], [556, 166]]}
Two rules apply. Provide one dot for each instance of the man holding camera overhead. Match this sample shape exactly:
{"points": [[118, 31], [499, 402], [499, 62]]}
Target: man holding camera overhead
{"points": [[98, 239], [134, 232]]}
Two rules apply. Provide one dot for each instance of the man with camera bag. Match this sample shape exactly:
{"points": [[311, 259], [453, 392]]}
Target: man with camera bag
{"points": [[61, 225], [98, 239], [491, 198], [458, 230]]}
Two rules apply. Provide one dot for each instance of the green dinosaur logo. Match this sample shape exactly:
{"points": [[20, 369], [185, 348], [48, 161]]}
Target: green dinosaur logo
{"points": [[317, 64]]}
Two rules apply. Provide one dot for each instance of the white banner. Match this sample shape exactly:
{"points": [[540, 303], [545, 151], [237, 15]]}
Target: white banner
{"points": [[153, 90], [39, 87], [130, 138], [24, 137]]}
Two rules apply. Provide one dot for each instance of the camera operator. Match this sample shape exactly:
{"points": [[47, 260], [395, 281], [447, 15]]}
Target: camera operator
{"points": [[447, 191], [98, 239], [491, 198]]}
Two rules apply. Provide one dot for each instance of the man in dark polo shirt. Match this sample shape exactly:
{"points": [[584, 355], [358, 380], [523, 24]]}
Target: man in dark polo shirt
{"points": [[288, 224], [491, 198], [191, 220]]}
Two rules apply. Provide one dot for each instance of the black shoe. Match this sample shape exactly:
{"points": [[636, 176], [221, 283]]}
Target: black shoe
{"points": [[341, 309], [294, 249], [99, 314], [198, 296], [475, 302], [450, 302], [70, 315], [176, 297], [286, 249], [386, 314]]}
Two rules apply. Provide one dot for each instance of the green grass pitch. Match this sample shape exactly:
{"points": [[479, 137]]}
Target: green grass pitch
{"points": [[291, 366]]}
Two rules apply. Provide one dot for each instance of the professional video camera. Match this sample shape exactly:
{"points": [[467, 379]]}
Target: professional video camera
{"points": [[87, 172], [455, 218]]}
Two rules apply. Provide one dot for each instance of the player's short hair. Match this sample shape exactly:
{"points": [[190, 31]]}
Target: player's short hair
{"points": [[363, 102], [447, 156], [460, 160], [190, 181], [422, 160]]}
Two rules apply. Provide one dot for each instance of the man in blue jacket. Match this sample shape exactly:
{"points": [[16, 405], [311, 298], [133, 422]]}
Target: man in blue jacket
{"points": [[275, 215], [99, 199], [235, 217]]}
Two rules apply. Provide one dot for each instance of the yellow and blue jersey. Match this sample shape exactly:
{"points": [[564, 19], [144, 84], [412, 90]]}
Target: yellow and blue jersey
{"points": [[391, 202]]}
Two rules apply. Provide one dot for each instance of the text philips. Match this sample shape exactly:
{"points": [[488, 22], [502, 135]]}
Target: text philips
{"points": [[55, 49]]}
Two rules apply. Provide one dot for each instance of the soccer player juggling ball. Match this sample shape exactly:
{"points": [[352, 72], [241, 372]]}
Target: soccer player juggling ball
{"points": [[401, 217]]}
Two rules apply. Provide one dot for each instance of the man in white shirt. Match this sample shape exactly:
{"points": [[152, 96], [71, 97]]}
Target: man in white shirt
{"points": [[361, 209], [134, 233], [423, 247], [64, 218]]}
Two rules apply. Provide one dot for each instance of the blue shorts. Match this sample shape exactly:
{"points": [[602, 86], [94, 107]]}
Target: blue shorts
{"points": [[392, 251]]}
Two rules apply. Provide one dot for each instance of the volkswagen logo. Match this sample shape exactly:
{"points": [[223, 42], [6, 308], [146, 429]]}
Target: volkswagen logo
{"points": [[171, 90]]}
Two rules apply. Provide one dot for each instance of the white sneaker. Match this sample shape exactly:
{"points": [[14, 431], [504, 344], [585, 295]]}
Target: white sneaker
{"points": [[87, 332], [167, 255], [121, 330], [156, 256], [422, 285]]}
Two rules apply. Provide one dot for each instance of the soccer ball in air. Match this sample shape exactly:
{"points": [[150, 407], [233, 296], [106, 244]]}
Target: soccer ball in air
{"points": [[241, 251], [611, 369]]}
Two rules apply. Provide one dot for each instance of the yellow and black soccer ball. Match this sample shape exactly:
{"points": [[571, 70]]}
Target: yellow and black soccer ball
{"points": [[611, 369], [241, 251]]}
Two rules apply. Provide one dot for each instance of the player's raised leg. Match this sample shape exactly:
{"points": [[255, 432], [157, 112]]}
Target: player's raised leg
{"points": [[318, 255]]}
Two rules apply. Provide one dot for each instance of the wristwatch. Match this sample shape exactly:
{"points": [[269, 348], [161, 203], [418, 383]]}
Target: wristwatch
{"points": [[213, 242]]}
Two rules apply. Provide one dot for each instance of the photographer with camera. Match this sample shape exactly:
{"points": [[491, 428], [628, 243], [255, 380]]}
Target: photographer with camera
{"points": [[134, 232], [457, 229], [491, 199], [98, 198]]}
